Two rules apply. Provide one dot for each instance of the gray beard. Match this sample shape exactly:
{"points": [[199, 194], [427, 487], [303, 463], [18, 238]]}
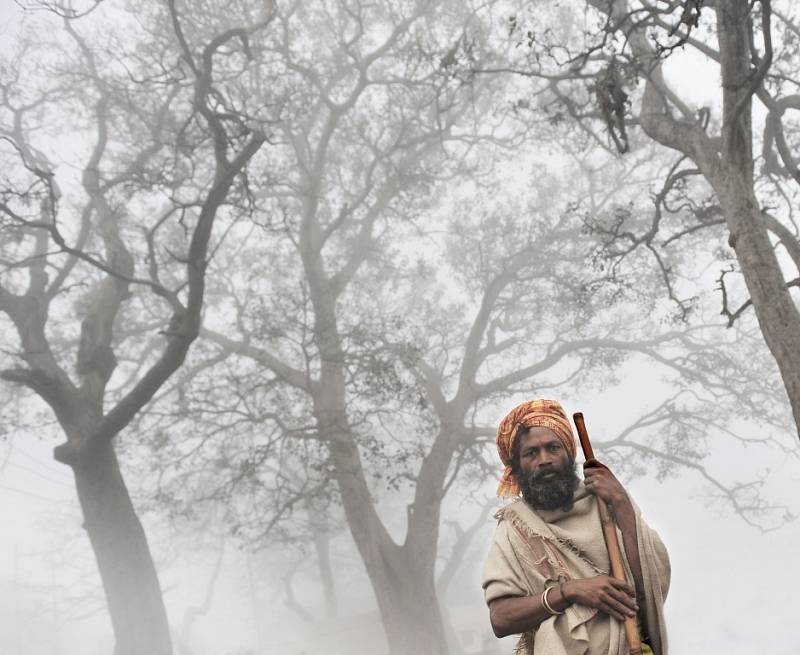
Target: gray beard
{"points": [[550, 492]]}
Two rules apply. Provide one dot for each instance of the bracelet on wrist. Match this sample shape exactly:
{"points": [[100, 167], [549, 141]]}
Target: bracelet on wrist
{"points": [[546, 604]]}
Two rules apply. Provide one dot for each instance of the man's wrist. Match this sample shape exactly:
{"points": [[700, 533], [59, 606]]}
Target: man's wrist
{"points": [[621, 502], [566, 593]]}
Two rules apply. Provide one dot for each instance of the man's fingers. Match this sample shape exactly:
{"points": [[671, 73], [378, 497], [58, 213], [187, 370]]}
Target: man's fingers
{"points": [[616, 609], [623, 585], [620, 604], [594, 476], [627, 602], [613, 612], [609, 595]]}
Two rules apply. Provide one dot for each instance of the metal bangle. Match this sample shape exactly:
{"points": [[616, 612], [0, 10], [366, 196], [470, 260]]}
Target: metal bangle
{"points": [[546, 604]]}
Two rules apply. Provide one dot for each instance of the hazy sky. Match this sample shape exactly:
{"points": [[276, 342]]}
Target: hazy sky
{"points": [[733, 589]]}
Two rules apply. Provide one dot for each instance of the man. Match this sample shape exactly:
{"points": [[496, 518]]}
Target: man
{"points": [[548, 572]]}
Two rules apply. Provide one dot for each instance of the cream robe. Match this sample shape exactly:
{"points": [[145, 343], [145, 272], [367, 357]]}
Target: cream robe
{"points": [[535, 549]]}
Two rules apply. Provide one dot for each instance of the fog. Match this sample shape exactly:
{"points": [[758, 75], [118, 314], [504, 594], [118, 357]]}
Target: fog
{"points": [[53, 600], [271, 274]]}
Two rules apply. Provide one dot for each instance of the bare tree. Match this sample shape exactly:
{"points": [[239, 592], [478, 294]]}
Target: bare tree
{"points": [[135, 228], [379, 121], [735, 178]]}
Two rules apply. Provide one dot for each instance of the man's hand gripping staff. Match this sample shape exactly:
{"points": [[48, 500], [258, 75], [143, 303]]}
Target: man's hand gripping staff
{"points": [[605, 492]]}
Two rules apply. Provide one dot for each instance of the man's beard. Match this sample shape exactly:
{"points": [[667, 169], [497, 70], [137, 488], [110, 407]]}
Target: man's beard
{"points": [[552, 488]]}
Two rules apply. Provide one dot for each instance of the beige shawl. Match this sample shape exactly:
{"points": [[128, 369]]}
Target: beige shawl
{"points": [[534, 549]]}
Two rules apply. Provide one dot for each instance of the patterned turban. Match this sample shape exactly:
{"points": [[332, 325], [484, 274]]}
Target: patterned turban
{"points": [[531, 414]]}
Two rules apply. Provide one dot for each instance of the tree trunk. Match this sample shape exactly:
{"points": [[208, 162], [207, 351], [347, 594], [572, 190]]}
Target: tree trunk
{"points": [[775, 309], [406, 595], [402, 577], [728, 167], [322, 548], [123, 557]]}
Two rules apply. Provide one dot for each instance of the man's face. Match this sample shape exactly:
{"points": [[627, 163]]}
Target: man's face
{"points": [[546, 474]]}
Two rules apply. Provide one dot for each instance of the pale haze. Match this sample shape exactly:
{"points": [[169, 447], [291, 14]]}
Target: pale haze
{"points": [[271, 274]]}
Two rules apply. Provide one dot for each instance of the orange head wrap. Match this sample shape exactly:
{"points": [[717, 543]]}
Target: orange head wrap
{"points": [[534, 413]]}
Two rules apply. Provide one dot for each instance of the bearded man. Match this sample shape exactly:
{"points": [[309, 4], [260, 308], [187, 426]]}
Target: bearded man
{"points": [[548, 572]]}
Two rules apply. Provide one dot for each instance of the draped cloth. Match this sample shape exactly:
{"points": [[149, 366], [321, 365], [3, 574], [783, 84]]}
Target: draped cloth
{"points": [[534, 549]]}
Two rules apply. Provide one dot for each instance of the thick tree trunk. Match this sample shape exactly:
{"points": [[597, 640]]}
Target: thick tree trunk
{"points": [[406, 595], [728, 166], [775, 309], [402, 577], [123, 557]]}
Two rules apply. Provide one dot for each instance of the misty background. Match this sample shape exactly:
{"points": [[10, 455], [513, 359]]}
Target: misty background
{"points": [[271, 273]]}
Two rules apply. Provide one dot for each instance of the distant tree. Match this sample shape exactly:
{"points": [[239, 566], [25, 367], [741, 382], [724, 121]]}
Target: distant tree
{"points": [[378, 122], [119, 153]]}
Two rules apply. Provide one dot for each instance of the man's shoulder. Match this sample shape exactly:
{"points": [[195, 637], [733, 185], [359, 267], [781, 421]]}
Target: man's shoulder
{"points": [[518, 517], [510, 510]]}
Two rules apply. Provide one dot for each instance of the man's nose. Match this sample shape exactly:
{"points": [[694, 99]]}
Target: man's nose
{"points": [[545, 460]]}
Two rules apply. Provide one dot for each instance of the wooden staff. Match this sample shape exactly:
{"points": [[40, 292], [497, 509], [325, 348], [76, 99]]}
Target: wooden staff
{"points": [[610, 536]]}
